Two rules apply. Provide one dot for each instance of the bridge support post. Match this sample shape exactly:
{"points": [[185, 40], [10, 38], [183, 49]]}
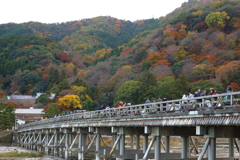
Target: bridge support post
{"points": [[185, 147], [122, 147], [157, 148], [82, 140], [35, 140], [231, 147], [158, 132], [114, 137], [212, 145], [145, 142], [167, 144], [118, 146], [137, 141], [39, 141], [55, 152], [66, 131], [132, 140], [80, 144], [97, 146], [46, 142], [26, 140], [32, 140], [122, 131], [212, 149]]}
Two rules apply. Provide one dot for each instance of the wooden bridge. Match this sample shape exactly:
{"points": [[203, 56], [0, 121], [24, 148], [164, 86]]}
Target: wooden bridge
{"points": [[81, 135]]}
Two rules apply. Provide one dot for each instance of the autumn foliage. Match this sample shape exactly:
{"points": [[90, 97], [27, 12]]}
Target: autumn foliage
{"points": [[197, 42], [63, 56]]}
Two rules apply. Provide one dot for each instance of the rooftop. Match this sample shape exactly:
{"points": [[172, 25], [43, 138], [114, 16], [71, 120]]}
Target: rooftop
{"points": [[29, 111]]}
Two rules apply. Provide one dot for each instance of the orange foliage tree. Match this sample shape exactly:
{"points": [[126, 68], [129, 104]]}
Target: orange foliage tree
{"points": [[156, 57], [229, 73]]}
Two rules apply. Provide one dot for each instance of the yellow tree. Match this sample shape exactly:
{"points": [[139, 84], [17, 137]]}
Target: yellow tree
{"points": [[82, 93], [198, 13], [182, 53], [217, 19], [82, 74], [100, 53], [70, 102]]}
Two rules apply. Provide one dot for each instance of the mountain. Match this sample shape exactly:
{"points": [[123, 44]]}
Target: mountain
{"points": [[197, 45]]}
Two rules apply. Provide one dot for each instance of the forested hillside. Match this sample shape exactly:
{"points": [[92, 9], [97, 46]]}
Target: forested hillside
{"points": [[104, 60]]}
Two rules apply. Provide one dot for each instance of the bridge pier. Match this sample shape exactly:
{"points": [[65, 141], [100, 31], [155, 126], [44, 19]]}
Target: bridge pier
{"points": [[185, 147], [39, 141], [137, 141], [82, 140], [122, 147], [46, 142], [66, 132], [212, 145], [132, 140], [97, 146], [157, 148], [167, 144], [231, 147]]}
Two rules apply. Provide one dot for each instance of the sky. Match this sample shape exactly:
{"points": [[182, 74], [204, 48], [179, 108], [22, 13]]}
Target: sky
{"points": [[57, 11]]}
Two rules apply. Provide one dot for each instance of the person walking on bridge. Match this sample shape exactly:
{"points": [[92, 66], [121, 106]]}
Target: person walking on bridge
{"points": [[191, 96], [184, 97], [147, 107], [201, 95], [213, 92]]}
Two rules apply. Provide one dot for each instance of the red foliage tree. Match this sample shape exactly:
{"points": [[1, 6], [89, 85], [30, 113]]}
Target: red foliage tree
{"points": [[235, 86], [13, 104], [64, 57]]}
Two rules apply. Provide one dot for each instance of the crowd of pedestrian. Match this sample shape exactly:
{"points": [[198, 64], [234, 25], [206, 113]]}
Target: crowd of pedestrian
{"points": [[185, 99], [189, 97]]}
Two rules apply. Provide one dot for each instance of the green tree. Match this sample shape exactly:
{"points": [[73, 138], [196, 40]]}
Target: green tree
{"points": [[180, 87], [7, 116], [199, 72], [130, 91], [176, 68], [51, 110], [205, 85], [165, 88], [63, 85], [54, 78], [146, 65], [148, 79], [217, 19], [105, 99], [43, 99]]}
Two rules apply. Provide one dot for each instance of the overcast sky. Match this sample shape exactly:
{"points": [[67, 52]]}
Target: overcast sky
{"points": [[52, 11]]}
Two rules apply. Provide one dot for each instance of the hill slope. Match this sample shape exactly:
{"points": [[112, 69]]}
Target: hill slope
{"points": [[184, 50]]}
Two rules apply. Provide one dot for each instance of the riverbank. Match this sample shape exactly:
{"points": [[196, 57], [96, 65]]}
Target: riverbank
{"points": [[5, 149]]}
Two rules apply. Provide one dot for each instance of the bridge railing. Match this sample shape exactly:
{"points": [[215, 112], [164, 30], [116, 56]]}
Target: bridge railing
{"points": [[226, 100]]}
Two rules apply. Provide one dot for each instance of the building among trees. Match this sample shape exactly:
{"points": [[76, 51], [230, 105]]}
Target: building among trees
{"points": [[30, 114]]}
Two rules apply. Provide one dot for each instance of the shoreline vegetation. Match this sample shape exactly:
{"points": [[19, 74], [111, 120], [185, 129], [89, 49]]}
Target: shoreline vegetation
{"points": [[22, 154]]}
